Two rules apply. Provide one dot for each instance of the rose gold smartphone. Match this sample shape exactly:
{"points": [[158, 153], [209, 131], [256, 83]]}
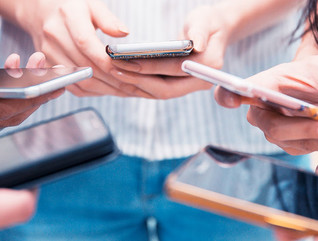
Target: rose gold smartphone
{"points": [[250, 188], [281, 102], [174, 48]]}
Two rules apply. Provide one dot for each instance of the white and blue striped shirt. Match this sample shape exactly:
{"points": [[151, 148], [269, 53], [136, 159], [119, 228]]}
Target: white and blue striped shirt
{"points": [[160, 129]]}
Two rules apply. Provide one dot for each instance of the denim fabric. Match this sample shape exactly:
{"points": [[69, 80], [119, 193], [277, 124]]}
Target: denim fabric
{"points": [[113, 203]]}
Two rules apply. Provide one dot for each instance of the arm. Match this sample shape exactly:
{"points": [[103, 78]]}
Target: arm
{"points": [[212, 28]]}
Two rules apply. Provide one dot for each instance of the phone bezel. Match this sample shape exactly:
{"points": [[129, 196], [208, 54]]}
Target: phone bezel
{"points": [[233, 207], [49, 85]]}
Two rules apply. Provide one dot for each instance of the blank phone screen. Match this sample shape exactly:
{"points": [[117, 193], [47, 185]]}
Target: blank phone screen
{"points": [[254, 179]]}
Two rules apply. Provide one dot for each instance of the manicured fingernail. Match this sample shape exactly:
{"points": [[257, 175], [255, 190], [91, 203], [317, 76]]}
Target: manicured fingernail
{"points": [[127, 65], [122, 28]]}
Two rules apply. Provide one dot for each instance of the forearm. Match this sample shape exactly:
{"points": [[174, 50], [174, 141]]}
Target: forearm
{"points": [[249, 16]]}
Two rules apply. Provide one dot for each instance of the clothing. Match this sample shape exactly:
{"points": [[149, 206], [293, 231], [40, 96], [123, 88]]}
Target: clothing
{"points": [[108, 203], [162, 129], [136, 197]]}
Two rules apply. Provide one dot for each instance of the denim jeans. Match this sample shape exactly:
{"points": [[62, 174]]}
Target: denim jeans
{"points": [[113, 202]]}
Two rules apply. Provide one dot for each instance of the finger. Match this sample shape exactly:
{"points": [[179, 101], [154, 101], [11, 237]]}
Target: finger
{"points": [[95, 87], [13, 107], [36, 60], [13, 61], [17, 119], [83, 34], [16, 206], [155, 66], [198, 29], [226, 98], [301, 147], [112, 26], [163, 87], [282, 128], [59, 43]]}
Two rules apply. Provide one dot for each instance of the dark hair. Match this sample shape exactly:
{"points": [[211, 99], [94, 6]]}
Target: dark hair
{"points": [[310, 13]]}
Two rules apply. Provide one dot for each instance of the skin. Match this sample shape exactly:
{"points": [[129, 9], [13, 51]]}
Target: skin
{"points": [[19, 206], [69, 37], [294, 134]]}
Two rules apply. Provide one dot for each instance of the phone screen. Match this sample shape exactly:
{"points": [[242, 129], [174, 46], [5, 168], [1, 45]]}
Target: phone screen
{"points": [[27, 147], [253, 179], [24, 77]]}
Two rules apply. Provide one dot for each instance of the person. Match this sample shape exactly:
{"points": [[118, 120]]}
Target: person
{"points": [[294, 134], [115, 201], [18, 206]]}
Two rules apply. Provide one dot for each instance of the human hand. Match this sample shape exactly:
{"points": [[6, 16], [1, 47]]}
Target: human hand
{"points": [[15, 111], [283, 234], [162, 78], [16, 206], [65, 31], [296, 135]]}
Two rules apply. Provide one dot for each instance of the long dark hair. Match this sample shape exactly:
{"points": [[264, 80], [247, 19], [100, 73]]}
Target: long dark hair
{"points": [[311, 14]]}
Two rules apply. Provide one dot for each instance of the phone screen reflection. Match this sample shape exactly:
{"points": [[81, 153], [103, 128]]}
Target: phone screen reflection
{"points": [[256, 179]]}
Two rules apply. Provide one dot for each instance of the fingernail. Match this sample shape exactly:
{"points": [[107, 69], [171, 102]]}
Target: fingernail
{"points": [[127, 65], [42, 63], [122, 28]]}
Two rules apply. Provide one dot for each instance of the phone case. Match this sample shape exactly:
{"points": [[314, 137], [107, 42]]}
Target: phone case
{"points": [[150, 50], [246, 194], [78, 158]]}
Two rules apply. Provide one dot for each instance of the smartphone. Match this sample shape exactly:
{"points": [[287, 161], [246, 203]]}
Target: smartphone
{"points": [[53, 149], [281, 102], [25, 83], [150, 50], [250, 188]]}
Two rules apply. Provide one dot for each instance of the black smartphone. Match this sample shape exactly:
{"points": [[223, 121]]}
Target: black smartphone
{"points": [[53, 149], [250, 188], [175, 48]]}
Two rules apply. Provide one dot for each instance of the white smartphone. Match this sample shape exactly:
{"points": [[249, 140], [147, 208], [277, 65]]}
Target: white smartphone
{"points": [[26, 83], [251, 188], [282, 102], [174, 48]]}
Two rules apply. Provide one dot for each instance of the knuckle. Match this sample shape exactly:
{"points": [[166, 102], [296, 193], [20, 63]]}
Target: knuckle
{"points": [[82, 41]]}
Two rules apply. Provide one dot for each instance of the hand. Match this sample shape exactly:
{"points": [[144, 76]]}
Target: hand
{"points": [[283, 234], [296, 135], [65, 31], [16, 206], [163, 78], [14, 111]]}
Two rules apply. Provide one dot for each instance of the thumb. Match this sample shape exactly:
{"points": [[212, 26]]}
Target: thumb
{"points": [[105, 20], [197, 28]]}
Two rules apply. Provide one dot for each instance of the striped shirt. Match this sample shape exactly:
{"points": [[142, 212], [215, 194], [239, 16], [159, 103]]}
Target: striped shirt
{"points": [[160, 129]]}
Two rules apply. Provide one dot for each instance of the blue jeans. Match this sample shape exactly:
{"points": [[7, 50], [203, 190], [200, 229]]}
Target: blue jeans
{"points": [[113, 203]]}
